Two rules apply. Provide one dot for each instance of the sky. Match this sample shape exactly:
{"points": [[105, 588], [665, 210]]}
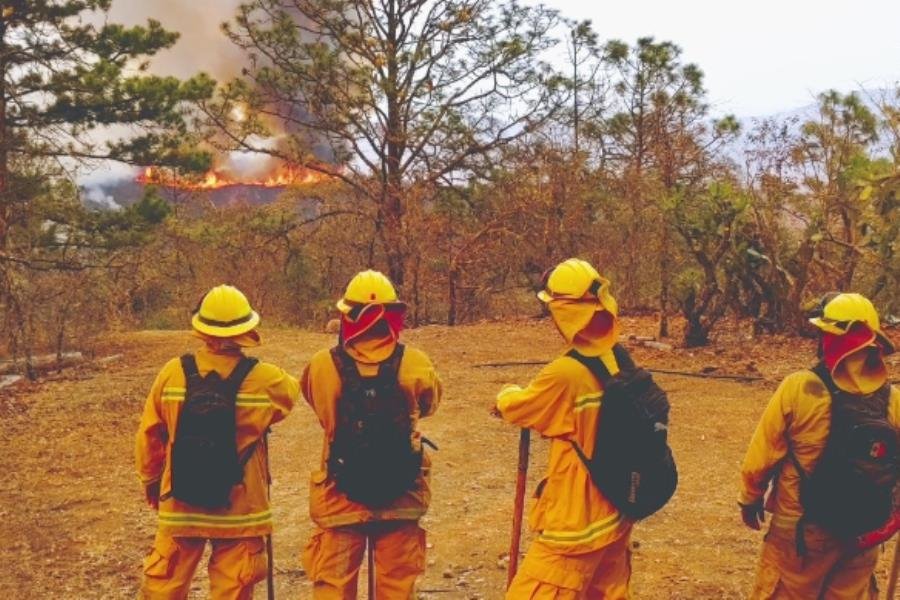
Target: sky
{"points": [[766, 56], [760, 58]]}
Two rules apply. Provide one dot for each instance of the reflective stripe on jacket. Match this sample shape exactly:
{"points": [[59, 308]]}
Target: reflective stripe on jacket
{"points": [[799, 414], [266, 396], [321, 385], [562, 403]]}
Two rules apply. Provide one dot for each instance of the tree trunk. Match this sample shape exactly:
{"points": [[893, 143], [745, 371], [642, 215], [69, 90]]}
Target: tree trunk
{"points": [[416, 302], [5, 196], [696, 334], [452, 296], [665, 270], [794, 313], [395, 147]]}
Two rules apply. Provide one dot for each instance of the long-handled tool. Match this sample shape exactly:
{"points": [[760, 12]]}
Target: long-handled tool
{"points": [[521, 481], [370, 551], [270, 569], [270, 552], [895, 570]]}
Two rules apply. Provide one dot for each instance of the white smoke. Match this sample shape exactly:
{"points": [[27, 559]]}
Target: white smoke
{"points": [[96, 197]]}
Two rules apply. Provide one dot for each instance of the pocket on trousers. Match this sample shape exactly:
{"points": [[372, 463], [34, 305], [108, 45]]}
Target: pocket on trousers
{"points": [[255, 562], [311, 556], [161, 559]]}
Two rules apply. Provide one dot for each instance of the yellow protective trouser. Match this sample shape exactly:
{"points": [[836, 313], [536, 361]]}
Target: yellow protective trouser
{"points": [[234, 567], [549, 573], [333, 557], [825, 572]]}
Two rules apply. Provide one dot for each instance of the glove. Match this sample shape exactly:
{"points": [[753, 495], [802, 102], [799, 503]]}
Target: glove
{"points": [[151, 493], [495, 409], [753, 515]]}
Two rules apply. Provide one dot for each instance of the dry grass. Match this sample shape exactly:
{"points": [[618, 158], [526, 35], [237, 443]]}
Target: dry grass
{"points": [[75, 527]]}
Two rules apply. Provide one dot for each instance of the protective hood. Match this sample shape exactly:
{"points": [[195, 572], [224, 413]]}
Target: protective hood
{"points": [[855, 359], [585, 324], [225, 345], [370, 333]]}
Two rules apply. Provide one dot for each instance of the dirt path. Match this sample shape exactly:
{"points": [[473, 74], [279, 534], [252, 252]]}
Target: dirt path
{"points": [[75, 527]]}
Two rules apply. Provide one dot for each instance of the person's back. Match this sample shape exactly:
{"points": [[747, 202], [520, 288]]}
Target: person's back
{"points": [[236, 528], [803, 557], [378, 383]]}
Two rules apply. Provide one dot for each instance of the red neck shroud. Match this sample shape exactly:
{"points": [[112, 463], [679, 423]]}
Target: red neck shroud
{"points": [[358, 321], [836, 348]]}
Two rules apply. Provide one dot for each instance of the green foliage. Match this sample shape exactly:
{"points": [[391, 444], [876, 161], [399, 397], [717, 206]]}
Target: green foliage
{"points": [[69, 80]]}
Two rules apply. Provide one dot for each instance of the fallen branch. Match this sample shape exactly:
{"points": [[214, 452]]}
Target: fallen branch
{"points": [[529, 363], [8, 380], [50, 362], [708, 375], [43, 363]]}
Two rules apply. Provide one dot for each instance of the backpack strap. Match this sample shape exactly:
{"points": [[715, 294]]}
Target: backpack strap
{"points": [[189, 366], [346, 367], [800, 547], [623, 358], [233, 384], [598, 368], [821, 371], [593, 364], [239, 373], [390, 369]]}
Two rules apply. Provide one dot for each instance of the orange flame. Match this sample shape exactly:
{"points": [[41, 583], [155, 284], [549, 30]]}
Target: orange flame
{"points": [[283, 176]]}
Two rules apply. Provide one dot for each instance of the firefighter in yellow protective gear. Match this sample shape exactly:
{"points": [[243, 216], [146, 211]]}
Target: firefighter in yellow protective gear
{"points": [[226, 324], [582, 547], [795, 426], [371, 321]]}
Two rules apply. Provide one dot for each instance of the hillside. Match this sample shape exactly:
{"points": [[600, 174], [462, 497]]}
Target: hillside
{"points": [[75, 525]]}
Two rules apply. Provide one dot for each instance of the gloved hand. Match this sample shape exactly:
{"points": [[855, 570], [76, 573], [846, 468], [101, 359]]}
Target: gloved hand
{"points": [[151, 493], [753, 515], [495, 410]]}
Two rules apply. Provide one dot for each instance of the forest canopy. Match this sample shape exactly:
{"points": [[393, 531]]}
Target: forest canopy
{"points": [[440, 142]]}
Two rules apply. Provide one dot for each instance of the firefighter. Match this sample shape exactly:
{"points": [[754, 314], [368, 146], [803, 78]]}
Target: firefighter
{"points": [[226, 324], [802, 556], [367, 490], [582, 547]]}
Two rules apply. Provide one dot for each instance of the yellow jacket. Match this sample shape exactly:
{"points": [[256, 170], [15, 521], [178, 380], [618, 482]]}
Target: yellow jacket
{"points": [[562, 403], [800, 411], [321, 385], [267, 395]]}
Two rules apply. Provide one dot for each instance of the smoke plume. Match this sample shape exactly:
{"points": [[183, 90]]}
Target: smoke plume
{"points": [[202, 45]]}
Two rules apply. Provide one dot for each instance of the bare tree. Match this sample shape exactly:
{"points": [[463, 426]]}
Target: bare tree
{"points": [[400, 93]]}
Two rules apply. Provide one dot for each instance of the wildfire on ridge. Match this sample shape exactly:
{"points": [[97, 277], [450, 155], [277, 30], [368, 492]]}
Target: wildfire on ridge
{"points": [[214, 179]]}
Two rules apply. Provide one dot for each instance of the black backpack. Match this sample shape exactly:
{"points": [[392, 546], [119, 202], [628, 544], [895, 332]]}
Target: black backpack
{"points": [[632, 464], [850, 491], [205, 461], [371, 458]]}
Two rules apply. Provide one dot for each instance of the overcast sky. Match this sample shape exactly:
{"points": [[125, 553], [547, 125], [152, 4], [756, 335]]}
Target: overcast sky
{"points": [[760, 57], [765, 56]]}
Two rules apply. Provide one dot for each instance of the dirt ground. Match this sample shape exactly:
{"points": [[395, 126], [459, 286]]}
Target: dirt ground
{"points": [[74, 525]]}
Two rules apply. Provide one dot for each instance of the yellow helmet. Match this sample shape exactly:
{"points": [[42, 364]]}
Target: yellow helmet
{"points": [[574, 279], [839, 311], [367, 287], [224, 312]]}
